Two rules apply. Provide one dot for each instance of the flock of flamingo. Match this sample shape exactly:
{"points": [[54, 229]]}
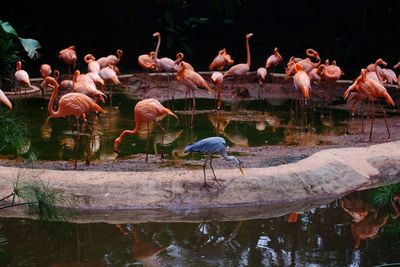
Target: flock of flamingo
{"points": [[86, 90]]}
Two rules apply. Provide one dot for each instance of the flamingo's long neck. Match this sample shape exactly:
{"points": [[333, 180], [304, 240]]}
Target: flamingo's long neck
{"points": [[248, 52], [378, 73], [52, 112], [158, 46]]}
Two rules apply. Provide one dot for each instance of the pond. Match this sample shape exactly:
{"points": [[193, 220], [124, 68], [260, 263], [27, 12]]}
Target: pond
{"points": [[322, 236], [242, 123]]}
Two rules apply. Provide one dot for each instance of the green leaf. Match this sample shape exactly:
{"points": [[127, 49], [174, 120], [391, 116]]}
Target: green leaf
{"points": [[8, 28], [31, 46]]}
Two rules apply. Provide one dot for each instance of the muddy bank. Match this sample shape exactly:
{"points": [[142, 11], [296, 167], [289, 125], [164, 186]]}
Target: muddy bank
{"points": [[329, 173]]}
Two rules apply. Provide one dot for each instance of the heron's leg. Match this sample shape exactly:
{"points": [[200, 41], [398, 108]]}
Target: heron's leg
{"points": [[212, 168], [162, 138], [387, 127], [205, 185], [147, 142], [372, 122]]}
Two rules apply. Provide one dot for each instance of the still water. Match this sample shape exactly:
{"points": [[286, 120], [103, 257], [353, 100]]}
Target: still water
{"points": [[246, 123], [322, 236]]}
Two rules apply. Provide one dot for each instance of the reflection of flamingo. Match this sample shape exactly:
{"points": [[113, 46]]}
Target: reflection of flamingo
{"points": [[395, 213], [145, 111], [373, 90], [217, 79], [111, 59], [166, 139], [68, 55], [262, 74], [354, 206], [4, 100], [221, 60], [367, 228], [21, 76], [243, 68], [75, 104], [274, 59]]}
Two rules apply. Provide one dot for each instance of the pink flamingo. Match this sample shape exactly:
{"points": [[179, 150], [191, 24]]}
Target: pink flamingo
{"points": [[302, 81], [111, 59], [316, 73], [75, 104], [332, 72], [21, 76], [306, 64], [240, 69], [217, 79], [221, 60], [84, 84], [109, 76], [93, 65], [145, 111], [4, 100], [261, 74], [274, 59], [373, 90], [68, 55]]}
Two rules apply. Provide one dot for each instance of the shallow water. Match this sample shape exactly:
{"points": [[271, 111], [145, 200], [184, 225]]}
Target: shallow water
{"points": [[320, 237], [246, 123]]}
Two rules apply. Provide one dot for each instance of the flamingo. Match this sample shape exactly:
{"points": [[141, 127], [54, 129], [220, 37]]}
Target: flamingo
{"points": [[192, 80], [221, 60], [84, 84], [210, 146], [21, 76], [45, 70], [316, 73], [262, 74], [306, 64], [332, 72], [398, 78], [75, 104], [274, 59], [68, 55], [373, 90], [240, 69], [145, 111], [374, 71], [163, 64], [109, 76], [146, 62], [111, 59], [179, 57], [93, 65], [302, 81], [217, 79], [4, 100], [389, 75]]}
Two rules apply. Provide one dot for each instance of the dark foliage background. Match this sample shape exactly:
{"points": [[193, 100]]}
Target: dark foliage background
{"points": [[354, 33]]}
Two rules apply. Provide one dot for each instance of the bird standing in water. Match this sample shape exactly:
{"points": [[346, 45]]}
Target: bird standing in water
{"points": [[211, 146], [21, 76], [146, 111], [68, 55]]}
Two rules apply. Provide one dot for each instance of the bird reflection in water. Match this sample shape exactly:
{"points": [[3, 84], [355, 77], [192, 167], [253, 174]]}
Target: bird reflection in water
{"points": [[220, 121], [212, 248], [144, 246], [367, 220]]}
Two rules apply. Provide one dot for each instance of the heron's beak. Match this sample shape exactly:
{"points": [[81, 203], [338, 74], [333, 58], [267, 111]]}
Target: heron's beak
{"points": [[241, 170]]}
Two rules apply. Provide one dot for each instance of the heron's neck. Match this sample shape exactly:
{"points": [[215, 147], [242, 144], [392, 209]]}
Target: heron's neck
{"points": [[226, 157]]}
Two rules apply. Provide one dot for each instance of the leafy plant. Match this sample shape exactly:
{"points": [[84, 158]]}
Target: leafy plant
{"points": [[381, 197], [10, 46], [49, 204], [14, 134]]}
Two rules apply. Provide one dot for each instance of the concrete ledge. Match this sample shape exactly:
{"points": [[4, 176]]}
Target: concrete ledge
{"points": [[260, 193]]}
